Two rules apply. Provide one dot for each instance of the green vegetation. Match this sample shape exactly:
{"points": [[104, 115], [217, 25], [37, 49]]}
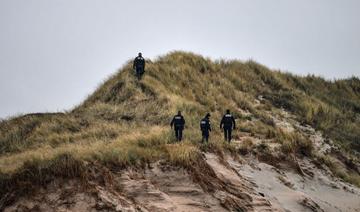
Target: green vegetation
{"points": [[125, 122], [337, 169], [295, 143]]}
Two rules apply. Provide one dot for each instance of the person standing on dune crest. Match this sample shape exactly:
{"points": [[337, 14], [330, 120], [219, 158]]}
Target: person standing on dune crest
{"points": [[178, 122], [227, 124], [139, 66]]}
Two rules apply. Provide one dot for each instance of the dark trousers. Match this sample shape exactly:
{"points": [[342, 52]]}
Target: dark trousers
{"points": [[178, 133], [227, 134], [139, 72], [205, 135]]}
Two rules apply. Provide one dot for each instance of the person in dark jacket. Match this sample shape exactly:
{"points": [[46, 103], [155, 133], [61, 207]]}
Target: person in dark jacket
{"points": [[227, 124], [139, 66], [178, 122], [205, 128]]}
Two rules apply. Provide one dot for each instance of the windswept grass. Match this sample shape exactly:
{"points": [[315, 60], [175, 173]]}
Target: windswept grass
{"points": [[182, 154], [246, 146], [141, 146], [294, 143], [125, 121], [338, 170]]}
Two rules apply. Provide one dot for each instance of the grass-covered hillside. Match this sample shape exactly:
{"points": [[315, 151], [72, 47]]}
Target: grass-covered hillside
{"points": [[125, 122]]}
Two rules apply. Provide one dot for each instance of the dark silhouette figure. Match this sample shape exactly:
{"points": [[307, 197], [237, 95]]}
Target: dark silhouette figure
{"points": [[178, 122], [139, 66], [228, 124], [205, 128]]}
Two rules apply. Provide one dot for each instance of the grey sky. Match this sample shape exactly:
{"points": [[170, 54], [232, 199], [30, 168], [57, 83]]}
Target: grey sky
{"points": [[53, 53]]}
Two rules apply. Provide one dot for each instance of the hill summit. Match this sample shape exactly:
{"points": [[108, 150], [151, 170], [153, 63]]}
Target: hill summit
{"points": [[116, 151]]}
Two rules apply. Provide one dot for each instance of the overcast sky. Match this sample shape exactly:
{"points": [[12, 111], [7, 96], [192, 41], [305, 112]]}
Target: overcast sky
{"points": [[53, 53]]}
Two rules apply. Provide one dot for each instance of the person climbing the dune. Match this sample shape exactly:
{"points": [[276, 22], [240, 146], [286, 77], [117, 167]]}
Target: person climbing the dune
{"points": [[139, 66], [178, 122], [205, 128], [227, 124]]}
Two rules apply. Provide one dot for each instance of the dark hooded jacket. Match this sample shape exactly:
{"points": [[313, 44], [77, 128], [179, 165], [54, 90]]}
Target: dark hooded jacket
{"points": [[139, 63], [178, 122], [205, 124], [227, 122]]}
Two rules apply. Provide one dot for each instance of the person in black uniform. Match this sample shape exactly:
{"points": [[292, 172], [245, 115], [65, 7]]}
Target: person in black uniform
{"points": [[228, 124], [205, 128], [178, 122], [139, 66]]}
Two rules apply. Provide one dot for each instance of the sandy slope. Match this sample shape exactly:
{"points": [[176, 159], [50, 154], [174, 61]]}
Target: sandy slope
{"points": [[158, 188], [296, 193], [235, 186]]}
